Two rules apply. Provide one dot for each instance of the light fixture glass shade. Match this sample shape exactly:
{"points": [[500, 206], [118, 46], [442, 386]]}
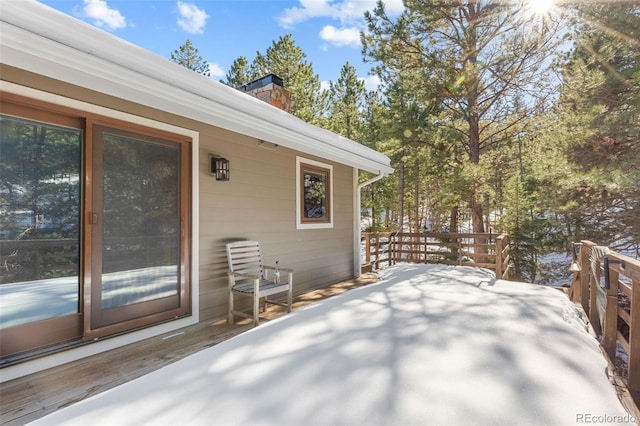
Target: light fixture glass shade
{"points": [[220, 168]]}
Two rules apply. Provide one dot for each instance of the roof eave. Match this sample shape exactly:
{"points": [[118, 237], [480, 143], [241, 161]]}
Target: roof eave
{"points": [[50, 43]]}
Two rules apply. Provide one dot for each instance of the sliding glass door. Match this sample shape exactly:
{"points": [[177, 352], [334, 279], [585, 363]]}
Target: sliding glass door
{"points": [[94, 227], [137, 220], [136, 228], [40, 190]]}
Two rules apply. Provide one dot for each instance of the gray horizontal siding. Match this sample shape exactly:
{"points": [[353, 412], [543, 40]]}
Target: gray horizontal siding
{"points": [[258, 203]]}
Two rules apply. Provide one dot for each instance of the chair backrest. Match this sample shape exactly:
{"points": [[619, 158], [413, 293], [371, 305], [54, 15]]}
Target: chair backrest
{"points": [[244, 257]]}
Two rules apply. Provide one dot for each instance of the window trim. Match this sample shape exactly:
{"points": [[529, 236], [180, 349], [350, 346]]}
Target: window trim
{"points": [[100, 323], [302, 165]]}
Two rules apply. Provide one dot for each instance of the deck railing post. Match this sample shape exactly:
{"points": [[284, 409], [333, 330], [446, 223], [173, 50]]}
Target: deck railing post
{"points": [[505, 257], [575, 292], [634, 338], [38, 261], [576, 289], [585, 275], [393, 248], [610, 326], [414, 256], [377, 246], [594, 315], [499, 247], [367, 248]]}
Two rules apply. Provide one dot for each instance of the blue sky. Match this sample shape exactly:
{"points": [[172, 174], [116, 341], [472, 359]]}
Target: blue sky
{"points": [[222, 30]]}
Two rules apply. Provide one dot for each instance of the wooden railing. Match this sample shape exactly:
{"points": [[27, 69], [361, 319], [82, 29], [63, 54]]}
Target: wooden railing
{"points": [[608, 288], [36, 259], [26, 260], [484, 250]]}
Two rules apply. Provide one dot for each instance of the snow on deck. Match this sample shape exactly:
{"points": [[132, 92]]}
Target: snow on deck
{"points": [[427, 345]]}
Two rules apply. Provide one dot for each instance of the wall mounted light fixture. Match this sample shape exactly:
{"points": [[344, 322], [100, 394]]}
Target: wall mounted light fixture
{"points": [[219, 167]]}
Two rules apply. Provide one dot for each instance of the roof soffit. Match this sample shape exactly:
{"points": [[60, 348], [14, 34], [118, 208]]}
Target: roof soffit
{"points": [[58, 52]]}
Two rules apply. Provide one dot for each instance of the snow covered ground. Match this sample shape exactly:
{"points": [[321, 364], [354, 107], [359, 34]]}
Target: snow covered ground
{"points": [[427, 345], [30, 301]]}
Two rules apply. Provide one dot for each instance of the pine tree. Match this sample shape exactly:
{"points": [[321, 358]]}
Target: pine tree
{"points": [[187, 56], [475, 56], [379, 197], [288, 61], [240, 73], [597, 122], [345, 103], [574, 174]]}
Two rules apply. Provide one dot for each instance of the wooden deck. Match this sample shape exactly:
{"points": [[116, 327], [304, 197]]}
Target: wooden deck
{"points": [[29, 398]]}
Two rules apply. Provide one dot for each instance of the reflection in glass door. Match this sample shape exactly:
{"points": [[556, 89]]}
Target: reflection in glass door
{"points": [[136, 229], [39, 228]]}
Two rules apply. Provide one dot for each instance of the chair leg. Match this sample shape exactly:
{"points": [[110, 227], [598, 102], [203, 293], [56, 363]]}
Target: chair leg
{"points": [[256, 309], [230, 314], [290, 293]]}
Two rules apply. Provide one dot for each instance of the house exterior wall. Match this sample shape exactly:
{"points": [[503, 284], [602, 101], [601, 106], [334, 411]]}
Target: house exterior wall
{"points": [[258, 203]]}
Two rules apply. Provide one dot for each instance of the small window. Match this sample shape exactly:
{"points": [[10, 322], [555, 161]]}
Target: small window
{"points": [[314, 194]]}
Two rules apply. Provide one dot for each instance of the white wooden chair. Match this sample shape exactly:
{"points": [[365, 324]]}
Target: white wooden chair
{"points": [[249, 276]]}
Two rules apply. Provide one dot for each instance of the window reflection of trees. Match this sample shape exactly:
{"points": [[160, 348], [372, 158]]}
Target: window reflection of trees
{"points": [[39, 200], [41, 206], [141, 199], [315, 195]]}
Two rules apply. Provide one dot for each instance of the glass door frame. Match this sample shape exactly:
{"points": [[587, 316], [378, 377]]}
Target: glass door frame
{"points": [[64, 328], [93, 328]]}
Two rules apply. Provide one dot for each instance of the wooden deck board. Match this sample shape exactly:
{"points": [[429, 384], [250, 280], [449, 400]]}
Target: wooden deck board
{"points": [[28, 398]]}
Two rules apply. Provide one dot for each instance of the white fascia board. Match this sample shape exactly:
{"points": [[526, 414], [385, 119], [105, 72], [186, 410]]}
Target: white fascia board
{"points": [[41, 40]]}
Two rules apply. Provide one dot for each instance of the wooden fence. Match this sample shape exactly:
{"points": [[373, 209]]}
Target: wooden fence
{"points": [[607, 285], [484, 250]]}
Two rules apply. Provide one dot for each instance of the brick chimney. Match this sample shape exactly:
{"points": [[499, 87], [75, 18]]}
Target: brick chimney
{"points": [[269, 89]]}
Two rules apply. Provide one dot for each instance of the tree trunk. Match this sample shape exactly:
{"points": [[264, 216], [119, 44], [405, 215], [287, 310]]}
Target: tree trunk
{"points": [[473, 116], [374, 221], [454, 220], [401, 198], [416, 198], [476, 215]]}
